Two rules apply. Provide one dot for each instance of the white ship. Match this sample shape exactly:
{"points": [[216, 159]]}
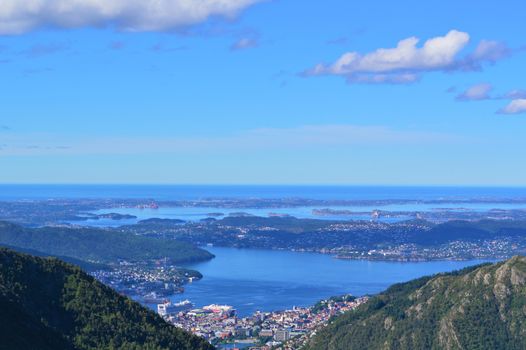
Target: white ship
{"points": [[152, 298], [168, 308]]}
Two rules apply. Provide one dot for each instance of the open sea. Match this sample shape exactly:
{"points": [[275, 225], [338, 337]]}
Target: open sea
{"points": [[194, 192]]}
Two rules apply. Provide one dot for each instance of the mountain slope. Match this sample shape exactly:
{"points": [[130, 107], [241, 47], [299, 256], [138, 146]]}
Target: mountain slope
{"points": [[476, 308], [84, 265], [91, 244], [48, 304]]}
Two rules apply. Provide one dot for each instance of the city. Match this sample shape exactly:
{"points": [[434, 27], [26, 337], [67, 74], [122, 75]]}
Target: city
{"points": [[220, 325]]}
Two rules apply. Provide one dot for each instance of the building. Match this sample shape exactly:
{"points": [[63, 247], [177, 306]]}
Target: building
{"points": [[282, 335], [266, 333]]}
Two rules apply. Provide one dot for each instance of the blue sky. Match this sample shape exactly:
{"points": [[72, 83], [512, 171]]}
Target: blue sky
{"points": [[263, 92]]}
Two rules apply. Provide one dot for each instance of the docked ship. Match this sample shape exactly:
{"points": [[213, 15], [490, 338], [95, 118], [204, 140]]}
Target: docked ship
{"points": [[168, 308], [153, 298]]}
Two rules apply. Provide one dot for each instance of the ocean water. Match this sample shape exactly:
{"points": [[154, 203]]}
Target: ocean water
{"points": [[266, 280], [194, 192]]}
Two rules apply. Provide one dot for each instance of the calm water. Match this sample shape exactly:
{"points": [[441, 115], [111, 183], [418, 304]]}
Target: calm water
{"points": [[251, 280], [194, 192], [199, 213]]}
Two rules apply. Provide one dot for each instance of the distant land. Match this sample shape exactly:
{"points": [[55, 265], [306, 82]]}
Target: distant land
{"points": [[96, 245], [450, 232], [413, 240]]}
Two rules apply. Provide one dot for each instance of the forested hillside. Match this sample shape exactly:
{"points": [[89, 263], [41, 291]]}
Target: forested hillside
{"points": [[48, 304], [90, 244], [476, 308]]}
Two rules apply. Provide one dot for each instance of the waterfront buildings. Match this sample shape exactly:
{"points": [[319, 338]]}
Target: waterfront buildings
{"points": [[221, 324]]}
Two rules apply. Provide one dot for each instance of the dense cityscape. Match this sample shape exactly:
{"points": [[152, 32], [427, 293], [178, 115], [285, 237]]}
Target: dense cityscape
{"points": [[148, 282], [221, 326]]}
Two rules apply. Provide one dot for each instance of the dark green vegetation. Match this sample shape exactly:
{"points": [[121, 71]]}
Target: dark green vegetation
{"points": [[320, 305], [471, 230], [408, 240], [84, 265], [48, 304], [160, 222], [97, 245], [309, 233], [285, 224], [481, 307], [332, 233]]}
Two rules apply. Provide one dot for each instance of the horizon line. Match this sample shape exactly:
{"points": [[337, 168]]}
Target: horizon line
{"points": [[260, 185]]}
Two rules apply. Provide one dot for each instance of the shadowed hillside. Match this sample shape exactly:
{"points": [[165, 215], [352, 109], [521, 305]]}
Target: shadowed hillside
{"points": [[48, 304], [477, 308]]}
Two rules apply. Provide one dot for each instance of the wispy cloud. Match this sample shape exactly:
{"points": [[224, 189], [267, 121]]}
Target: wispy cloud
{"points": [[487, 52], [343, 40], [117, 45], [480, 92], [18, 17], [244, 43], [515, 94], [3, 50], [476, 93], [36, 71], [406, 62], [39, 50], [163, 48], [303, 137]]}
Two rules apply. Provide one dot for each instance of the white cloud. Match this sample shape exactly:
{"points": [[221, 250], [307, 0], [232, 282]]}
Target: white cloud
{"points": [[476, 93], [405, 62], [19, 16], [480, 92], [303, 137], [515, 107]]}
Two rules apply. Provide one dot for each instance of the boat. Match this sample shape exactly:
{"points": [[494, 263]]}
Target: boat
{"points": [[153, 298], [167, 307]]}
